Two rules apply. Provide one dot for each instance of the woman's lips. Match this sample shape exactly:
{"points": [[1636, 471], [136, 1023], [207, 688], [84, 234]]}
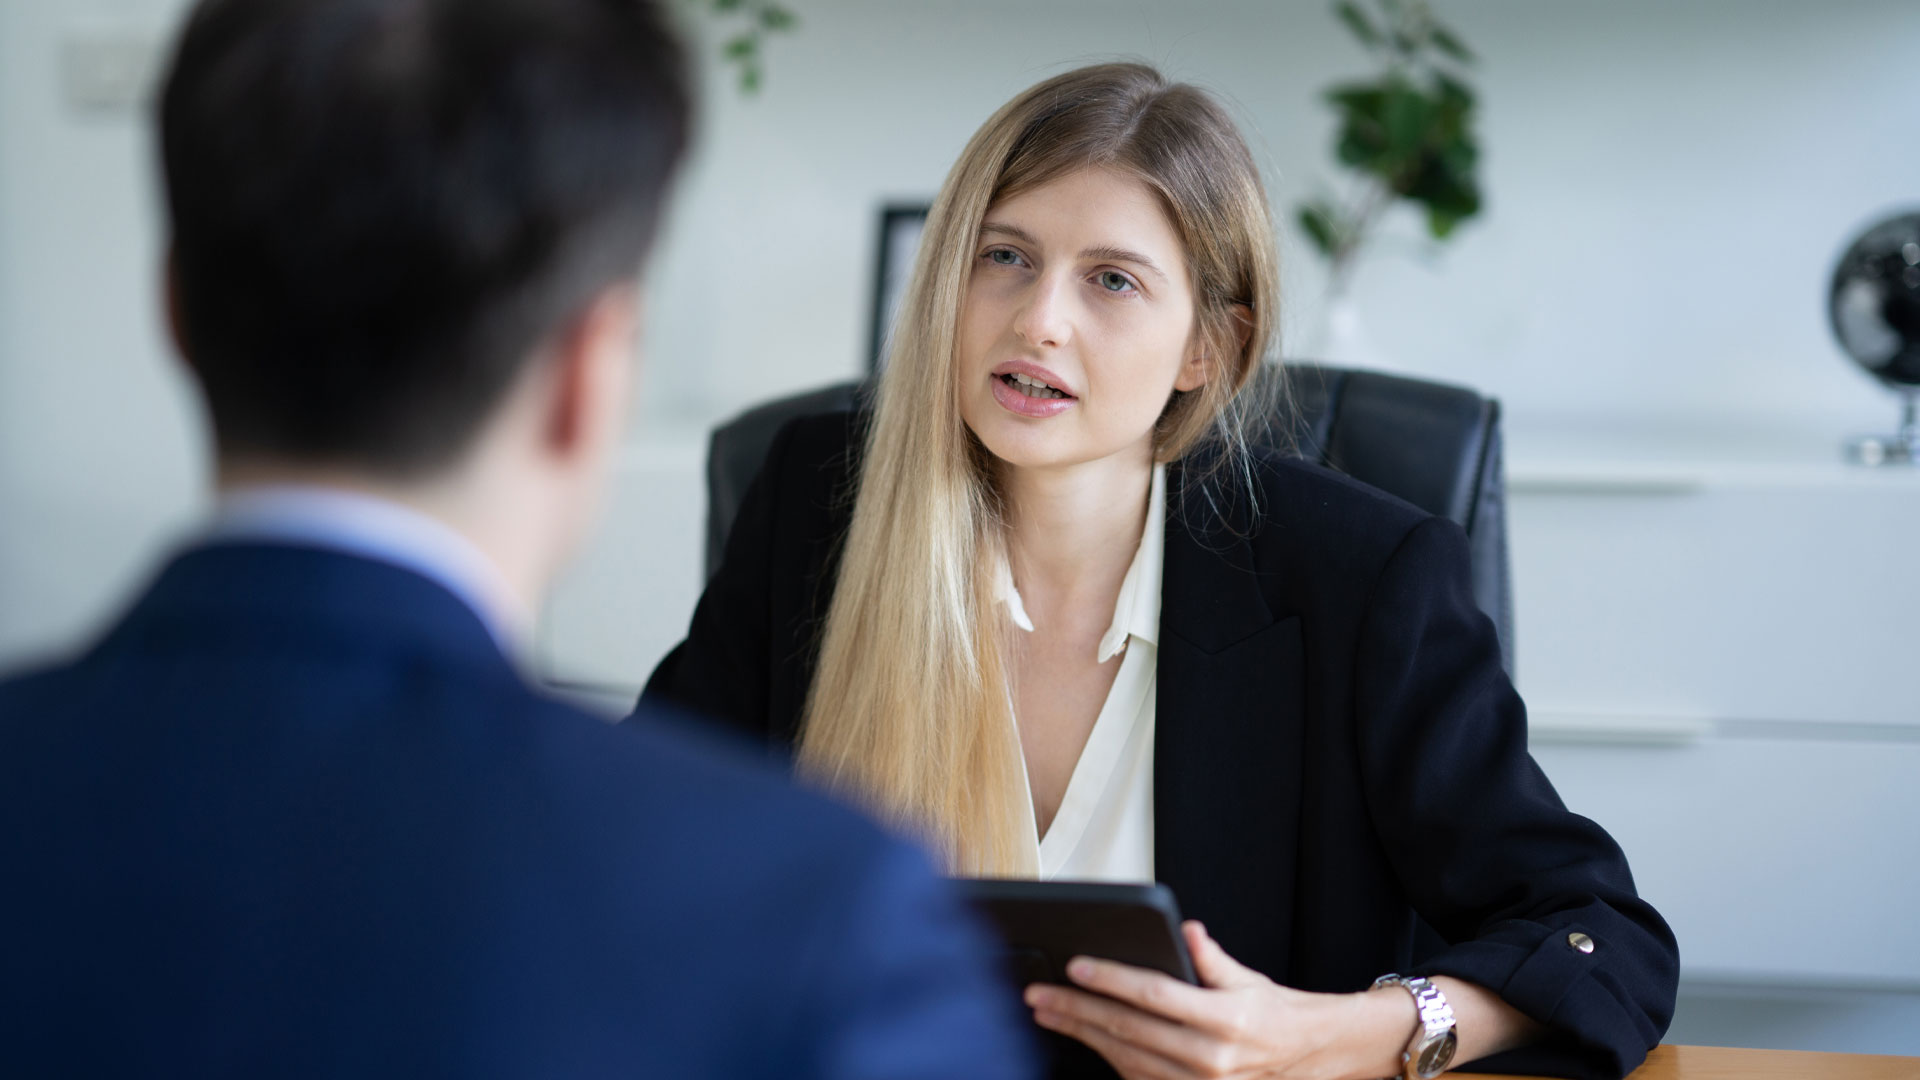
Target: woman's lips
{"points": [[1018, 403]]}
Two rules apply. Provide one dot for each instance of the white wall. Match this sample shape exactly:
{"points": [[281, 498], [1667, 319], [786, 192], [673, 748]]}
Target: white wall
{"points": [[1668, 186], [100, 455]]}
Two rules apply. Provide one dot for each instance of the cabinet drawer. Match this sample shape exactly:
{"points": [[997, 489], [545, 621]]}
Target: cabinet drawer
{"points": [[1776, 860]]}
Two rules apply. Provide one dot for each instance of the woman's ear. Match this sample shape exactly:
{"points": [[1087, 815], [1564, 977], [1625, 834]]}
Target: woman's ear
{"points": [[1195, 371], [1242, 326]]}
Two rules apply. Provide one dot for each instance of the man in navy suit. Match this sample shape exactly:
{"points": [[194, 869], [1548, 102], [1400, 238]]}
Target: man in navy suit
{"points": [[300, 813]]}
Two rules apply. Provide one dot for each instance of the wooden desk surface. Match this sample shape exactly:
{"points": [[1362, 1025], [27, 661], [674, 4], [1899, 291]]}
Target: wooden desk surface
{"points": [[1723, 1063]]}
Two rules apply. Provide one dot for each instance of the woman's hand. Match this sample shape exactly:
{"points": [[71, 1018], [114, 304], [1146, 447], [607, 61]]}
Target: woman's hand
{"points": [[1238, 1023]]}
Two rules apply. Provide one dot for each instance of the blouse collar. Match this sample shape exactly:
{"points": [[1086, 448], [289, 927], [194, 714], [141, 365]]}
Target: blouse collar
{"points": [[1136, 612]]}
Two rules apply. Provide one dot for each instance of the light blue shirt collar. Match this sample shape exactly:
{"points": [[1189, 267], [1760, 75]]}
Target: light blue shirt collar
{"points": [[378, 529]]}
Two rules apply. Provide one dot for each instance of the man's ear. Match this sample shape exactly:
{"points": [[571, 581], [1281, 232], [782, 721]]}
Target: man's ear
{"points": [[588, 365], [170, 307]]}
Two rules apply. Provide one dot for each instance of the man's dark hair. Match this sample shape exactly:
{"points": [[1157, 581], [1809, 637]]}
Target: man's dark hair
{"points": [[379, 208]]}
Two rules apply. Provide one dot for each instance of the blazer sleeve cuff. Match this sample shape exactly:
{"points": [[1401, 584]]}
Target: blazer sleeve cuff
{"points": [[1595, 1029]]}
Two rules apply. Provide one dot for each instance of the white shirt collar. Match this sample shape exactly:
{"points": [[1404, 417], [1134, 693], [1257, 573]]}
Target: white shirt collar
{"points": [[1136, 612], [373, 528]]}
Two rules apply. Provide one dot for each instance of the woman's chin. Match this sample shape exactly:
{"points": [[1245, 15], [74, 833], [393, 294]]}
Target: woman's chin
{"points": [[1027, 446], [1023, 445]]}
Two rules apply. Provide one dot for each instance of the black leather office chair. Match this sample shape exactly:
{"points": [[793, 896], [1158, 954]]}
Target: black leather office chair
{"points": [[1434, 445]]}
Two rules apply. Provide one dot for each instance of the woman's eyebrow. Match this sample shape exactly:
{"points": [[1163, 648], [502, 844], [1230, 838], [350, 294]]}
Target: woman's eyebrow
{"points": [[1105, 252], [1116, 254], [1014, 231]]}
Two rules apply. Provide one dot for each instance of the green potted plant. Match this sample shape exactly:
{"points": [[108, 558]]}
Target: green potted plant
{"points": [[1406, 133], [752, 21]]}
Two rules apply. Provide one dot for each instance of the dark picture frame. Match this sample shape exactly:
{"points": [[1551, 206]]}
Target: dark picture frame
{"points": [[901, 225]]}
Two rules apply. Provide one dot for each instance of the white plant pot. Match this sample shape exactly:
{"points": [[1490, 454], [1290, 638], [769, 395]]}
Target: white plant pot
{"points": [[1344, 341]]}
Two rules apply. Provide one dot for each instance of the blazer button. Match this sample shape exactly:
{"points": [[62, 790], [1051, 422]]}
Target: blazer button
{"points": [[1580, 942]]}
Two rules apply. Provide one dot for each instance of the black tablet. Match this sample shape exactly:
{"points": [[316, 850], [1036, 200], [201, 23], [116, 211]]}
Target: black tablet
{"points": [[1047, 923]]}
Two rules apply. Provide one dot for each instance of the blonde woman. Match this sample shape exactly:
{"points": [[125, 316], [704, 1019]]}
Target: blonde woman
{"points": [[1050, 608]]}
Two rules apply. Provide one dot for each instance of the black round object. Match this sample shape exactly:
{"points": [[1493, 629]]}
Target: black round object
{"points": [[1875, 301]]}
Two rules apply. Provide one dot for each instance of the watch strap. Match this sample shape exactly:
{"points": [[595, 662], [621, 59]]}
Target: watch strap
{"points": [[1436, 1023]]}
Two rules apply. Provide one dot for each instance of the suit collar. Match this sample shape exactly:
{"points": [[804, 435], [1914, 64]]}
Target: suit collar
{"points": [[1229, 703], [311, 593], [1210, 594], [356, 523]]}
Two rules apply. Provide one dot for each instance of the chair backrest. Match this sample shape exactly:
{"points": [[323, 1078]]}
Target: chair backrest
{"points": [[1434, 445]]}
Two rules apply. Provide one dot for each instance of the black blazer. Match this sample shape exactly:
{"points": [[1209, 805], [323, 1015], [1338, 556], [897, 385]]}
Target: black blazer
{"points": [[1341, 780]]}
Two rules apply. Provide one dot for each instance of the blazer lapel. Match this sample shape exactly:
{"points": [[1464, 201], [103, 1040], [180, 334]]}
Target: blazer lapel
{"points": [[1229, 710]]}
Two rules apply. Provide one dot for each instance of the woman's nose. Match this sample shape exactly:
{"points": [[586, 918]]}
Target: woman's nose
{"points": [[1045, 319]]}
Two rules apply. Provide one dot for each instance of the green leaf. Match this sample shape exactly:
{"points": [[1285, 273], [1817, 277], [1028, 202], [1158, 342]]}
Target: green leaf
{"points": [[725, 6], [1444, 40], [1362, 143], [1449, 195], [750, 78], [1361, 140], [1357, 99], [777, 19], [1453, 94], [1320, 222], [743, 47], [1407, 117], [1443, 217], [1409, 129], [1360, 152], [1357, 22], [1459, 158], [1453, 113]]}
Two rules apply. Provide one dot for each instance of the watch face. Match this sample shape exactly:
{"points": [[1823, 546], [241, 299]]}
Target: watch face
{"points": [[1436, 1056]]}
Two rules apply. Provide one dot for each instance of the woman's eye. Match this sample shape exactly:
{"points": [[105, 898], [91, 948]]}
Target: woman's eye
{"points": [[1114, 281], [1004, 257]]}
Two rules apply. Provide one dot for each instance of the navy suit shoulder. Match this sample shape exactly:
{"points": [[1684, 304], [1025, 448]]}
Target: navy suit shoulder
{"points": [[297, 816]]}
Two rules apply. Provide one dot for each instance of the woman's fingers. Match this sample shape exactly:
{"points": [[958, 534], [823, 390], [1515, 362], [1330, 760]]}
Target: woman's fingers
{"points": [[1130, 1061], [1176, 1042], [1146, 990]]}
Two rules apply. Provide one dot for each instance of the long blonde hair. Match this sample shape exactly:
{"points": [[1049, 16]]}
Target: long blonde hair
{"points": [[910, 711]]}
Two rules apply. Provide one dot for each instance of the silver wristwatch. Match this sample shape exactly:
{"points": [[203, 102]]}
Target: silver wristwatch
{"points": [[1433, 1045]]}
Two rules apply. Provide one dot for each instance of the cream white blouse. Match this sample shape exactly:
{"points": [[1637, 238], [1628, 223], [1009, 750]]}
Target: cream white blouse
{"points": [[1104, 829]]}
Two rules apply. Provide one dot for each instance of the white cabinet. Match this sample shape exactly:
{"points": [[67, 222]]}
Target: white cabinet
{"points": [[1748, 595], [1719, 643], [1778, 861]]}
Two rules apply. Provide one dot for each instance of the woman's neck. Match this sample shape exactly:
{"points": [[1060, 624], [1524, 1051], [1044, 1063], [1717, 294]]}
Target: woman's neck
{"points": [[1072, 533]]}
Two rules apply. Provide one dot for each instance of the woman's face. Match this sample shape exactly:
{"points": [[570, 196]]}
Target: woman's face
{"points": [[1080, 286]]}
